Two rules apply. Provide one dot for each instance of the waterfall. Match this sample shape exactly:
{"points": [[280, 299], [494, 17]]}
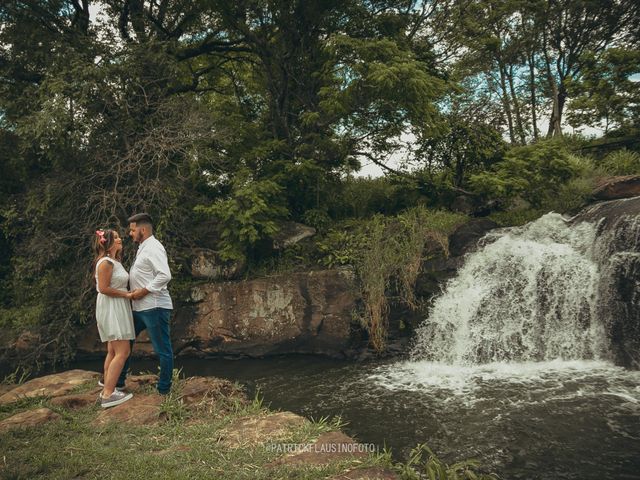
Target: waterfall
{"points": [[530, 293]]}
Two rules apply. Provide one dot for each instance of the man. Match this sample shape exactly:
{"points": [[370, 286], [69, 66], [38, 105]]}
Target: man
{"points": [[151, 302]]}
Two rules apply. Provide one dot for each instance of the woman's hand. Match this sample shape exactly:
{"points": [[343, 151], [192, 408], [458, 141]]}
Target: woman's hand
{"points": [[139, 293]]}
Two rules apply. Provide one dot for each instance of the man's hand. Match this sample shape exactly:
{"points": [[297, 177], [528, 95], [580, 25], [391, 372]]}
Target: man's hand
{"points": [[139, 293]]}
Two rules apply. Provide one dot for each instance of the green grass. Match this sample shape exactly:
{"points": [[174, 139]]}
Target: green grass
{"points": [[188, 445]]}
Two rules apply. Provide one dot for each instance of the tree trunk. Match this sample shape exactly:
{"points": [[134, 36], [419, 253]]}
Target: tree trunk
{"points": [[532, 88], [516, 107], [554, 120], [505, 100], [562, 100]]}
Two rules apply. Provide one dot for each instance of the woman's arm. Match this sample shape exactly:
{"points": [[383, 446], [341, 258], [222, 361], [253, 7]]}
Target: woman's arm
{"points": [[105, 270]]}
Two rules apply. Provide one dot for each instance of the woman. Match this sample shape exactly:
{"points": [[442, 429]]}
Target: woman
{"points": [[113, 312]]}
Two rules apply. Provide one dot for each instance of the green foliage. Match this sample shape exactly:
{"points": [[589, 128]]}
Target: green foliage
{"points": [[249, 215], [168, 109], [17, 377], [621, 162], [340, 247], [387, 253], [361, 197], [465, 147], [423, 463], [318, 219], [172, 406], [604, 94], [535, 172]]}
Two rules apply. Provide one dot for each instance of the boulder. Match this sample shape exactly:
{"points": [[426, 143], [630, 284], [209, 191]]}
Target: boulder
{"points": [[330, 447], [305, 312], [255, 430], [464, 204], [74, 402], [140, 410], [207, 264], [30, 418], [617, 250], [198, 390], [26, 340], [50, 385], [138, 383], [466, 236], [612, 188], [301, 312], [291, 233]]}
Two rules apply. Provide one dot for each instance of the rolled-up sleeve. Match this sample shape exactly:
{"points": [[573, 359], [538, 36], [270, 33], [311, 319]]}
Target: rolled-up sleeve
{"points": [[160, 265]]}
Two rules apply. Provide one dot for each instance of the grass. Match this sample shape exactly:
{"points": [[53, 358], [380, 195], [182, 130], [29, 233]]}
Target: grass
{"points": [[189, 445], [390, 260]]}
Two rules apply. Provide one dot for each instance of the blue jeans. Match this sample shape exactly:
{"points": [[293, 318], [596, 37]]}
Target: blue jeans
{"points": [[156, 322]]}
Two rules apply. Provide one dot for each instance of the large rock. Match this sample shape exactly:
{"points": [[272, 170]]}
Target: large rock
{"points": [[207, 264], [307, 312], [49, 386], [466, 236], [330, 447], [200, 391], [612, 188], [617, 249], [291, 233], [28, 419], [140, 410], [302, 312], [256, 430]]}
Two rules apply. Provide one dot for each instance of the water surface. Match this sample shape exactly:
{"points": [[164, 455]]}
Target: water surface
{"points": [[546, 420]]}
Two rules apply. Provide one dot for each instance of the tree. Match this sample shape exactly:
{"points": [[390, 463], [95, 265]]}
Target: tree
{"points": [[529, 52], [605, 95], [573, 28], [165, 105]]}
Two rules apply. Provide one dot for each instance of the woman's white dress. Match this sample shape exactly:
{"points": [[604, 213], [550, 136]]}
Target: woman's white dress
{"points": [[113, 314]]}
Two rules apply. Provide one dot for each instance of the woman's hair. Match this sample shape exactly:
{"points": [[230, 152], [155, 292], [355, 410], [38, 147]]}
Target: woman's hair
{"points": [[101, 243]]}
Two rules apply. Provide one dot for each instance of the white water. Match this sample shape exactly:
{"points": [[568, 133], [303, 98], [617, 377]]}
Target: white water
{"points": [[515, 351], [530, 294]]}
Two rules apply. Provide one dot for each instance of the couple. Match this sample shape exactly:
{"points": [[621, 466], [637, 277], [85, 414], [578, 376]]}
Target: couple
{"points": [[121, 314]]}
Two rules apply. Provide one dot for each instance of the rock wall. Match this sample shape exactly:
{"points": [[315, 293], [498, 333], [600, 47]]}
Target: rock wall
{"points": [[618, 250], [304, 312]]}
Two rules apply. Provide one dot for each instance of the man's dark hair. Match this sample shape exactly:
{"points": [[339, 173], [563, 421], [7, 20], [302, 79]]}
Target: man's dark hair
{"points": [[141, 219]]}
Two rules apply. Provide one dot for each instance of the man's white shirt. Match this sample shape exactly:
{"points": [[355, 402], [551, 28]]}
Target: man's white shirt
{"points": [[150, 270]]}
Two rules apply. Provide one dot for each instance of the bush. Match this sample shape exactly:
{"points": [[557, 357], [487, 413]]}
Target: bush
{"points": [[363, 197], [535, 172], [622, 162], [423, 463], [318, 219], [247, 216], [387, 253]]}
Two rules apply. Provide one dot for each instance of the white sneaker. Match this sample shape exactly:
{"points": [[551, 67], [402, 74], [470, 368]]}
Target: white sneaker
{"points": [[118, 389], [116, 398]]}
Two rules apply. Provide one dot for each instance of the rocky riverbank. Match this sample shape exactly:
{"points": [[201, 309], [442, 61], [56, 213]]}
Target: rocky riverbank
{"points": [[206, 428]]}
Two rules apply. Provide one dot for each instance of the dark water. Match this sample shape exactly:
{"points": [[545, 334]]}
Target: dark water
{"points": [[550, 420]]}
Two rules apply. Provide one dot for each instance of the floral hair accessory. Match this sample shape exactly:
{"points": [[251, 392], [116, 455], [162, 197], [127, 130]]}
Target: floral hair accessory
{"points": [[100, 234]]}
